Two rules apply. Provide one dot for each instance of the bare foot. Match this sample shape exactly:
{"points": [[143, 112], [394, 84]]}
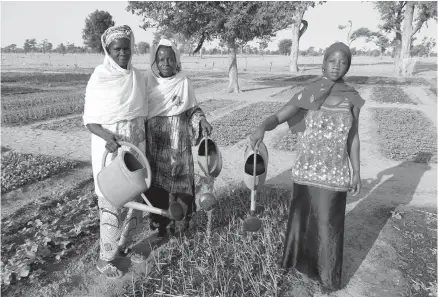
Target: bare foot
{"points": [[108, 269]]}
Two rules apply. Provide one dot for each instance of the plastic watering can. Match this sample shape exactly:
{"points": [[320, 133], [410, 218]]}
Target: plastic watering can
{"points": [[209, 157]]}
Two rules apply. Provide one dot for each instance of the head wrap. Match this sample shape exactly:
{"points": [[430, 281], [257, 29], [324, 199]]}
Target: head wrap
{"points": [[314, 95], [114, 33], [113, 93], [154, 49], [338, 46]]}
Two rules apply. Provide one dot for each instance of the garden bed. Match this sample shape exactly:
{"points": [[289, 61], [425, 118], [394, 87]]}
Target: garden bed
{"points": [[391, 94], [235, 126], [25, 108], [406, 135], [8, 90], [286, 141], [75, 124], [38, 78], [18, 170]]}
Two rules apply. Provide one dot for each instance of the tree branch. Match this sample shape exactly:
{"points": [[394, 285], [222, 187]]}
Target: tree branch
{"points": [[417, 27]]}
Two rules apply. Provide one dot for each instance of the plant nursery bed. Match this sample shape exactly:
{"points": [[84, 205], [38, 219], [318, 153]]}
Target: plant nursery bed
{"points": [[391, 94], [406, 135], [73, 124], [18, 170], [235, 126], [286, 141]]}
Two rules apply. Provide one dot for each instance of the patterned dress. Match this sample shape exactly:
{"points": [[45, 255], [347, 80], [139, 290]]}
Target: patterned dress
{"points": [[322, 151]]}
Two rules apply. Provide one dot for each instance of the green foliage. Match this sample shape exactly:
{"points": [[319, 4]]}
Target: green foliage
{"points": [[61, 49], [30, 45], [229, 21], [95, 24], [143, 47], [23, 169], [284, 46]]}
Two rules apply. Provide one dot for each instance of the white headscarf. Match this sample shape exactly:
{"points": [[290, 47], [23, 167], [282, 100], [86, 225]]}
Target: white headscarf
{"points": [[113, 93], [168, 96]]}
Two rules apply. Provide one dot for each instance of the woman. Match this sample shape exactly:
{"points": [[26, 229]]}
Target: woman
{"points": [[115, 110], [327, 112], [173, 126]]}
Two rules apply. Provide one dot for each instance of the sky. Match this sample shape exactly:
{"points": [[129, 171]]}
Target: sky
{"points": [[63, 21]]}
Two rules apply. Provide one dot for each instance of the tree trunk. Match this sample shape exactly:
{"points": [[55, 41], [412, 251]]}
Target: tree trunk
{"points": [[233, 85], [404, 68], [296, 34]]}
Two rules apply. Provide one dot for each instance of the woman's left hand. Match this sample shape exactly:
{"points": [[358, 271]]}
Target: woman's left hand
{"points": [[356, 184], [206, 127]]}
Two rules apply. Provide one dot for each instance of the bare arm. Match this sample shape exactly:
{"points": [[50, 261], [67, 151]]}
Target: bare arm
{"points": [[111, 139], [353, 143], [284, 114], [280, 117]]}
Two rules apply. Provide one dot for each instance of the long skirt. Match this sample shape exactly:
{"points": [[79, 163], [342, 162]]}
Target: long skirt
{"points": [[315, 234]]}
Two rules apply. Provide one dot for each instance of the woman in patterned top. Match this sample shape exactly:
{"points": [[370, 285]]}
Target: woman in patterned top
{"points": [[115, 110], [327, 112], [173, 125]]}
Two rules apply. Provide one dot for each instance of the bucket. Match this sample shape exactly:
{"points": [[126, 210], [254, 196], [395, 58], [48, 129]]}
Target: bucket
{"points": [[209, 157], [261, 166], [125, 178]]}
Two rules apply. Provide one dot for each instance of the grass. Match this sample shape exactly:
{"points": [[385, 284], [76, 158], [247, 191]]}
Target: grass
{"points": [[391, 94], [18, 170], [214, 104], [417, 231], [27, 108], [235, 126], [15, 90], [229, 262], [404, 134], [286, 141]]}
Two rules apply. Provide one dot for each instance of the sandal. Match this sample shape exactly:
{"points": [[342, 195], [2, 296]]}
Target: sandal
{"points": [[110, 269]]}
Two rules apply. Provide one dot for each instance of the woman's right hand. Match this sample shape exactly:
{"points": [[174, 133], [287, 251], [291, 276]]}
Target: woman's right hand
{"points": [[256, 137], [111, 142]]}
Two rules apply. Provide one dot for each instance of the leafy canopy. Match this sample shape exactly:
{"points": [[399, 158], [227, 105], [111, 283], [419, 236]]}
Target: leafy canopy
{"points": [[95, 25]]}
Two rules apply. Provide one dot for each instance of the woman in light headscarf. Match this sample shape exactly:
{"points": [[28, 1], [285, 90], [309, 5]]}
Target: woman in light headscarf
{"points": [[173, 125], [327, 112], [115, 109]]}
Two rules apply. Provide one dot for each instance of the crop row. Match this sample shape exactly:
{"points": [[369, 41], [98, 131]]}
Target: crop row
{"points": [[237, 125], [406, 135], [41, 78], [391, 94]]}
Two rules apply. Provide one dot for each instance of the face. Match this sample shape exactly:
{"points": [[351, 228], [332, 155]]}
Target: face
{"points": [[166, 61], [120, 51], [336, 65]]}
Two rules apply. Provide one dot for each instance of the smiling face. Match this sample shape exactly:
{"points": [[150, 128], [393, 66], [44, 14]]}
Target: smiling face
{"points": [[166, 61], [120, 51], [336, 65]]}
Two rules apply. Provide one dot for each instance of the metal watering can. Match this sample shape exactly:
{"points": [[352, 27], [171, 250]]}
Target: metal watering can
{"points": [[255, 171], [210, 162], [125, 178]]}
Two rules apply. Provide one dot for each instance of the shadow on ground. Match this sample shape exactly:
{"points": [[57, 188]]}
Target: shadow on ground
{"points": [[374, 206]]}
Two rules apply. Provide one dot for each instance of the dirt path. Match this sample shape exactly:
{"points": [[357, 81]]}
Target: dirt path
{"points": [[387, 185]]}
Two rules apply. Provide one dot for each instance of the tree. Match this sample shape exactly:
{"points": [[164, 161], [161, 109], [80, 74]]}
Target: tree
{"points": [[29, 45], [398, 17], [429, 44], [232, 22], [95, 25], [290, 14], [61, 49], [284, 46], [143, 47], [45, 46], [10, 48], [262, 46]]}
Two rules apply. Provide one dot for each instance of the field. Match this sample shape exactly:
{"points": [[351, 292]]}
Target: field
{"points": [[50, 222]]}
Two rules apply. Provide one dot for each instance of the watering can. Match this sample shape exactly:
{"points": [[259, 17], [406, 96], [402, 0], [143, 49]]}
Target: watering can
{"points": [[255, 171], [125, 178], [209, 157], [210, 162]]}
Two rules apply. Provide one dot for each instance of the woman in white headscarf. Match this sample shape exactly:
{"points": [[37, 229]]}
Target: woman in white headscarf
{"points": [[115, 109], [174, 123]]}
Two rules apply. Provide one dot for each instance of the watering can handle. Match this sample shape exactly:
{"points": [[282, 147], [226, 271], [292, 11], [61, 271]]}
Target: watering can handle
{"points": [[256, 148], [206, 152], [142, 156]]}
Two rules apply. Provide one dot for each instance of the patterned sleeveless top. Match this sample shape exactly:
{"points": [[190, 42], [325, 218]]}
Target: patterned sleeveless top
{"points": [[322, 158]]}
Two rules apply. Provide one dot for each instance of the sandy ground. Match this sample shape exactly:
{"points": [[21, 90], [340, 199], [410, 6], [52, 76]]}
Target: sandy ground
{"points": [[387, 185]]}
